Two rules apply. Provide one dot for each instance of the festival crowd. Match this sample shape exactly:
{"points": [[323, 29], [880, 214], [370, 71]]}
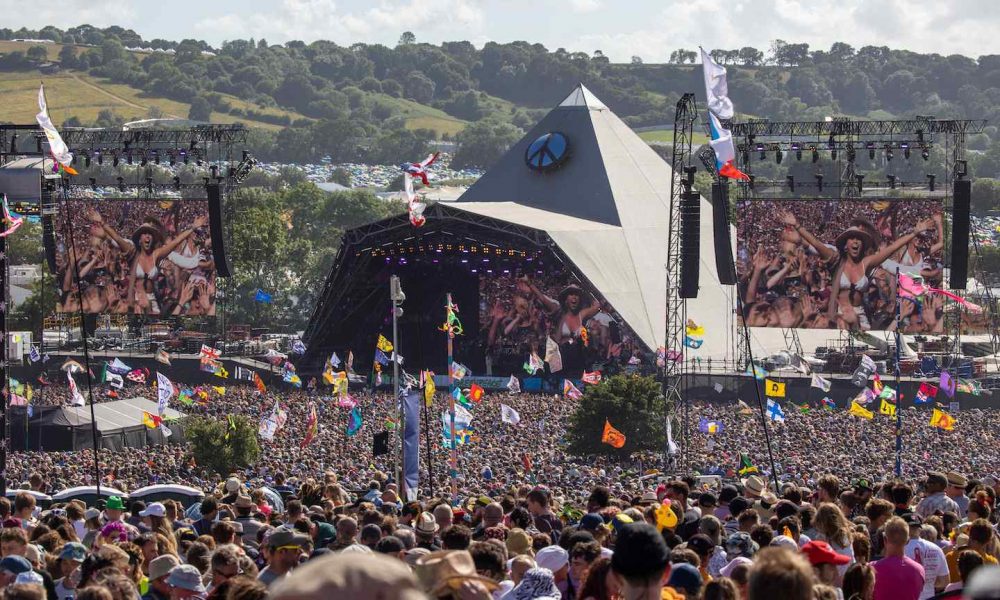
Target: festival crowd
{"points": [[529, 520]]}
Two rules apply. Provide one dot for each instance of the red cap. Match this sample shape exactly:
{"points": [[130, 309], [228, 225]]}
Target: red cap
{"points": [[820, 553]]}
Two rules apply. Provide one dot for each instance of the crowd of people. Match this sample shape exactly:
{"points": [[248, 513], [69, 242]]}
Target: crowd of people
{"points": [[529, 520], [832, 264]]}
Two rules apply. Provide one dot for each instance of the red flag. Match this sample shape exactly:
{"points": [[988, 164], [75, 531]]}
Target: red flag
{"points": [[257, 381], [312, 426], [476, 393], [526, 461], [612, 436], [592, 377]]}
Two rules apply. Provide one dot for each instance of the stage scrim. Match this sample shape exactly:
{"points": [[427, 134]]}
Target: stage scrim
{"points": [[136, 256]]}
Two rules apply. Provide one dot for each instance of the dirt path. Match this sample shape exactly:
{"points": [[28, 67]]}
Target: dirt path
{"points": [[124, 101]]}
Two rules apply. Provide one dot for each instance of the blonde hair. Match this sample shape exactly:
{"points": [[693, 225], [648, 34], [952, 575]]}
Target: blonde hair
{"points": [[832, 524]]}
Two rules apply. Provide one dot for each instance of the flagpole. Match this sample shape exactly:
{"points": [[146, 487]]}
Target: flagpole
{"points": [[899, 396], [396, 296], [756, 389], [453, 472]]}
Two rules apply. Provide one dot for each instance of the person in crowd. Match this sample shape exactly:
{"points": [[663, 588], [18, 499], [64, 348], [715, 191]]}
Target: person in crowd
{"points": [[896, 575]]}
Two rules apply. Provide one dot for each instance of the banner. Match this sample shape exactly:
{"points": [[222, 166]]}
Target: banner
{"points": [[773, 388], [164, 391], [411, 445], [612, 436], [509, 415]]}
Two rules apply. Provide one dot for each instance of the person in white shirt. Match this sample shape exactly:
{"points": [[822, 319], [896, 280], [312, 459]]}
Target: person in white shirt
{"points": [[929, 555]]}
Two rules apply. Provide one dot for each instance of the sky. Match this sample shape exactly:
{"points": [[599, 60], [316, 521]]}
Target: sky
{"points": [[621, 29]]}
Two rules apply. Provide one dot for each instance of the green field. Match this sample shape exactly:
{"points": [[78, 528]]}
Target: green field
{"points": [[666, 136], [420, 116]]}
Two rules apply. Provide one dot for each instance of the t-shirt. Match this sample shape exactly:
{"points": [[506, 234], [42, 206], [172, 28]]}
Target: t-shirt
{"points": [[267, 576], [898, 578], [931, 558], [952, 557]]}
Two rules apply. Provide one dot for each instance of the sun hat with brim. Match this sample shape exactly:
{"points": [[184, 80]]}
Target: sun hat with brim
{"points": [[957, 479], [783, 541], [426, 524], [233, 485], [151, 230], [351, 576], [447, 570], [15, 565], [755, 485], [156, 509], [858, 233], [820, 553], [552, 558], [412, 555], [244, 502], [114, 503], [741, 544], [162, 565], [186, 577], [518, 543], [29, 577], [73, 551], [648, 498], [727, 570]]}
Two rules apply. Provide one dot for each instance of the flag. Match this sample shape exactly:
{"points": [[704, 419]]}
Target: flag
{"points": [[209, 352], [711, 427], [429, 388], [804, 408], [553, 356], [526, 461], [942, 420], [509, 415], [829, 404], [570, 390], [219, 390], [534, 364], [150, 420], [164, 391], [381, 357], [925, 394], [612, 436], [162, 356], [223, 373], [514, 385], [329, 377], [114, 380], [801, 365], [717, 387], [774, 388], [232, 427], [257, 381], [341, 383], [137, 376], [312, 426], [819, 382], [383, 344], [758, 373], [887, 408], [745, 467], [863, 372], [947, 384], [354, 422], [693, 343], [298, 347], [476, 392], [460, 397], [774, 411], [292, 378], [716, 87], [57, 147], [744, 408], [33, 354], [262, 297], [346, 401], [693, 329], [592, 377], [77, 397], [887, 393], [118, 367], [243, 374], [458, 370], [725, 150], [184, 396], [859, 411]]}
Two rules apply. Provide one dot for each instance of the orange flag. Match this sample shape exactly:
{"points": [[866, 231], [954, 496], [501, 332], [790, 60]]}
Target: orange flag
{"points": [[257, 381], [612, 436], [476, 393]]}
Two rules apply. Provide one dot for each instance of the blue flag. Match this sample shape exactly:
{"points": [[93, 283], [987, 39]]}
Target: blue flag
{"points": [[354, 422], [411, 444], [381, 357], [262, 297], [298, 347], [691, 342]]}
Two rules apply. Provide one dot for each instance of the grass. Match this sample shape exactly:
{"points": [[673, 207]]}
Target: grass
{"points": [[666, 136], [419, 116], [71, 93]]}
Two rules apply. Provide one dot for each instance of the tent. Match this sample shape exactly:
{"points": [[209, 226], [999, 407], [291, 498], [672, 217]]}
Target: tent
{"points": [[119, 425]]}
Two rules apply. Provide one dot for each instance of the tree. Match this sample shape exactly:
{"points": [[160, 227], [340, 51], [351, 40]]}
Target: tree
{"points": [[340, 175], [407, 38], [201, 109], [223, 445], [67, 57], [38, 54], [633, 405], [682, 56], [636, 60], [483, 142]]}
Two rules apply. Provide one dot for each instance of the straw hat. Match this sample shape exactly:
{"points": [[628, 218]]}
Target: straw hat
{"points": [[447, 569]]}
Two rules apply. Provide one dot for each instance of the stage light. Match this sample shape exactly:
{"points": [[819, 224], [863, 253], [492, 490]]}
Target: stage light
{"points": [[961, 168], [177, 183], [86, 159], [851, 153], [892, 181], [128, 157], [121, 184], [861, 180], [871, 150], [930, 181], [172, 156], [819, 181], [888, 152], [815, 154], [797, 148], [925, 153], [906, 149], [831, 143], [778, 155], [93, 184], [791, 182]]}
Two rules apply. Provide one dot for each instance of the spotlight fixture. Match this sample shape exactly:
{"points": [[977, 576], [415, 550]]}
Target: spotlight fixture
{"points": [[892, 181], [961, 168], [778, 155], [13, 144], [819, 181], [93, 184], [906, 150], [86, 159], [925, 153], [861, 180], [177, 183], [888, 151], [173, 158], [791, 182], [100, 157], [760, 149], [871, 150], [121, 184], [930, 181], [797, 148], [815, 154], [128, 156]]}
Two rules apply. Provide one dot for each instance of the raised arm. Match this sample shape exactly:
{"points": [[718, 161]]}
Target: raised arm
{"points": [[167, 248], [876, 259], [824, 251], [125, 244], [551, 304], [760, 262]]}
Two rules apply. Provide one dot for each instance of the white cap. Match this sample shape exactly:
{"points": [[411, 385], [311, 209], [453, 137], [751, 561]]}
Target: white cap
{"points": [[233, 485], [156, 509], [552, 558]]}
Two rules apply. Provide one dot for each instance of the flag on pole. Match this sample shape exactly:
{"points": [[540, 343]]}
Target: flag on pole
{"points": [[262, 297], [758, 373], [942, 420], [118, 367], [612, 436], [509, 415], [292, 378], [693, 329], [693, 343], [775, 389], [312, 426], [553, 356], [774, 411], [57, 147], [150, 420], [745, 467], [381, 357], [819, 382], [592, 377], [257, 381], [947, 384], [458, 370], [570, 390], [137, 376], [162, 356], [725, 149], [429, 388], [164, 391], [383, 344], [354, 422], [859, 411], [716, 87], [476, 392], [514, 385], [77, 397], [828, 403], [887, 408], [33, 354], [209, 352], [534, 364], [460, 397], [710, 426], [298, 347]]}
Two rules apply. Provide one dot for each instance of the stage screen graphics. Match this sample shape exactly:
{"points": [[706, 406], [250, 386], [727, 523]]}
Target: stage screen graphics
{"points": [[136, 256], [831, 264], [519, 309]]}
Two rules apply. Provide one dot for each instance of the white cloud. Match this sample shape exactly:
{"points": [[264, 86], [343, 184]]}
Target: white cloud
{"points": [[70, 13], [586, 6]]}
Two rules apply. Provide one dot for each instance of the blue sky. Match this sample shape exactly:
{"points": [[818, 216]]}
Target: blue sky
{"points": [[620, 28]]}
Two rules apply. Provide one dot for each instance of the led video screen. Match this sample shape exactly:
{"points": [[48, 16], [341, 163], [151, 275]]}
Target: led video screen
{"points": [[135, 256], [831, 264]]}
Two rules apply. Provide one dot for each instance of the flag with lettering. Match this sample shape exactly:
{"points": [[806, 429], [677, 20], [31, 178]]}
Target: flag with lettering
{"points": [[514, 385], [592, 377], [164, 391], [509, 415], [77, 397], [887, 408], [942, 420], [383, 344]]}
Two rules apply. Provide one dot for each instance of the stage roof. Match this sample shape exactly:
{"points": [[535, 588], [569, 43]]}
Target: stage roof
{"points": [[111, 416]]}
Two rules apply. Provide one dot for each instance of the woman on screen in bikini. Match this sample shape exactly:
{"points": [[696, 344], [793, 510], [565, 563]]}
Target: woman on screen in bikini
{"points": [[853, 258], [145, 251]]}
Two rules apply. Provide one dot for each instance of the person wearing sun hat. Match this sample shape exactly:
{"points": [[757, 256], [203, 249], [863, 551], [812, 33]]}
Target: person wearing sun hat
{"points": [[185, 582], [159, 570], [447, 570], [956, 491], [70, 558], [426, 528]]}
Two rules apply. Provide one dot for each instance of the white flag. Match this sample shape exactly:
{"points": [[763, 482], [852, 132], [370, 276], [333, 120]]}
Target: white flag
{"points": [[671, 446], [56, 144], [716, 87], [77, 396], [718, 388], [114, 380], [165, 430], [514, 385], [721, 142], [819, 382], [552, 355], [334, 360], [509, 415], [164, 390]]}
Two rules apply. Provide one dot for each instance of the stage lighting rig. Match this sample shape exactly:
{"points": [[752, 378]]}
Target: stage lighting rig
{"points": [[906, 149], [851, 153], [871, 150], [242, 170], [888, 151], [797, 148], [760, 149]]}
